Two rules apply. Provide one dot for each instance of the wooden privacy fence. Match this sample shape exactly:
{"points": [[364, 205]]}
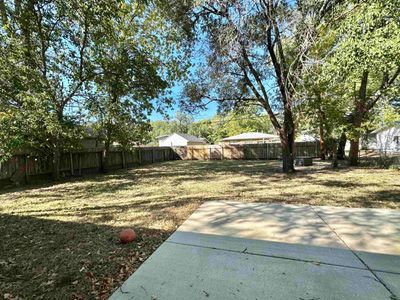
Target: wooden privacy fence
{"points": [[249, 151], [24, 168]]}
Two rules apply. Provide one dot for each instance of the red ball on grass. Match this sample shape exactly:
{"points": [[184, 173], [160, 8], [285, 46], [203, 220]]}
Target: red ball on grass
{"points": [[127, 236]]}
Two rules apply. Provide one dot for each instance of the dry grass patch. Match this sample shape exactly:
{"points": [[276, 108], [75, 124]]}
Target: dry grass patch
{"points": [[60, 241]]}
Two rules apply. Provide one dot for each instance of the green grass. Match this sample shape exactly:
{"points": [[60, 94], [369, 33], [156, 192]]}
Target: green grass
{"points": [[61, 240]]}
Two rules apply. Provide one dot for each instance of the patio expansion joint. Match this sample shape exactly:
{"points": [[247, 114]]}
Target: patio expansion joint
{"points": [[267, 255], [355, 254]]}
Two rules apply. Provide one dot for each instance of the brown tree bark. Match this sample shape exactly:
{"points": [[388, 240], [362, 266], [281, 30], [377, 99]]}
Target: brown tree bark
{"points": [[106, 151], [341, 150], [354, 150], [287, 142], [56, 162], [322, 148], [57, 147], [335, 158], [287, 137], [358, 116]]}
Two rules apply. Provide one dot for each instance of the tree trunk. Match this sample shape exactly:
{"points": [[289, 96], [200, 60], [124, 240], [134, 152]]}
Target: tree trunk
{"points": [[322, 142], [106, 151], [335, 157], [56, 162], [341, 151], [355, 141], [287, 136], [321, 119], [359, 113], [354, 149], [287, 142], [104, 166]]}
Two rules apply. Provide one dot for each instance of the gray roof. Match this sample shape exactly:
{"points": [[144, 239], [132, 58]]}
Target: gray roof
{"points": [[252, 136]]}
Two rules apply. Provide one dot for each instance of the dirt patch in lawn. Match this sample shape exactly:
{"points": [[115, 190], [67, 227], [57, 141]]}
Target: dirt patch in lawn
{"points": [[60, 241]]}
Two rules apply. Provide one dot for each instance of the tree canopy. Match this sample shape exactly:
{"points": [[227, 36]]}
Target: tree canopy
{"points": [[66, 65], [214, 129], [328, 66]]}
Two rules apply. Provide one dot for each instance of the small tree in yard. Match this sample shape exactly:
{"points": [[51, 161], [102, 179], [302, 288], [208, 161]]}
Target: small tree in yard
{"points": [[256, 53], [137, 63], [322, 109]]}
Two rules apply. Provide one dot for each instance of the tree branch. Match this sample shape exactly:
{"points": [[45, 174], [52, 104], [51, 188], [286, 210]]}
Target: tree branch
{"points": [[386, 83]]}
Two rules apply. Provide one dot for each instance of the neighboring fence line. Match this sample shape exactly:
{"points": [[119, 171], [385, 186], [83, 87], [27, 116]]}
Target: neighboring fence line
{"points": [[23, 168], [248, 151]]}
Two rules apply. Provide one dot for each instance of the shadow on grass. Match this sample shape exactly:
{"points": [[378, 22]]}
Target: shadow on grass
{"points": [[252, 176], [58, 260], [185, 170]]}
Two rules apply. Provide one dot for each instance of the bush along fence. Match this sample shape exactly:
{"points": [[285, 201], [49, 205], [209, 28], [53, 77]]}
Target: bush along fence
{"points": [[24, 168]]}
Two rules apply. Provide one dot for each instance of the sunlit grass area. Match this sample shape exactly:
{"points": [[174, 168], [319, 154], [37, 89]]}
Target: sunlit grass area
{"points": [[60, 241]]}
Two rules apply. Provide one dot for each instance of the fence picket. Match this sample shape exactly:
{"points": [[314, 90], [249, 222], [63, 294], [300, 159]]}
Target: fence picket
{"points": [[19, 166]]}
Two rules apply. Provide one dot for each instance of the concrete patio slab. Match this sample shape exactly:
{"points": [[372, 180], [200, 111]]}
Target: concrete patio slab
{"points": [[177, 272], [392, 281], [365, 229], [270, 222], [326, 255], [381, 262], [230, 250]]}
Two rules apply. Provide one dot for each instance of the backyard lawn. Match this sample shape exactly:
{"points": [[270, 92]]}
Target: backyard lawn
{"points": [[60, 241]]}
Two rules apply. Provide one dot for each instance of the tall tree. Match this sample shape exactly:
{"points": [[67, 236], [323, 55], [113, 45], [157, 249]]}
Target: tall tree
{"points": [[366, 61], [137, 61], [322, 108], [256, 52], [54, 38], [56, 55]]}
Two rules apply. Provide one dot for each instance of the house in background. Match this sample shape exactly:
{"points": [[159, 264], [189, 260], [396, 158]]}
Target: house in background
{"points": [[251, 138], [180, 139], [386, 139], [306, 138]]}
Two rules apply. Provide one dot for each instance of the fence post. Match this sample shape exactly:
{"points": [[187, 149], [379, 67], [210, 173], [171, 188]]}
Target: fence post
{"points": [[152, 155], [101, 161], [80, 164], [123, 159], [26, 168], [71, 164], [316, 149]]}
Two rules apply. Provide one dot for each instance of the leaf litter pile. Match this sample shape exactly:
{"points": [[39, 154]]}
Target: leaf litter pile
{"points": [[54, 260]]}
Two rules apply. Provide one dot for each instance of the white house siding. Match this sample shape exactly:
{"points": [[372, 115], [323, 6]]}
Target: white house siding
{"points": [[387, 140]]}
